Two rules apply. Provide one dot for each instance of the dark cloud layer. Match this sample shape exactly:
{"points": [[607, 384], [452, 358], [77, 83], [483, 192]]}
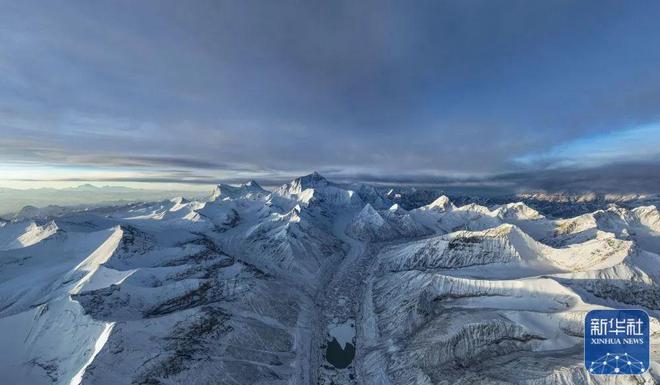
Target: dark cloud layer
{"points": [[634, 177], [624, 177], [380, 89], [621, 178]]}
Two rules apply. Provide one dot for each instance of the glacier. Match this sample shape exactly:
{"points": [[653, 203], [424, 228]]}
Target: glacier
{"points": [[318, 282]]}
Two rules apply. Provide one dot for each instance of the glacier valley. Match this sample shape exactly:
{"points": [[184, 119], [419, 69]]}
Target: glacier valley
{"points": [[318, 283]]}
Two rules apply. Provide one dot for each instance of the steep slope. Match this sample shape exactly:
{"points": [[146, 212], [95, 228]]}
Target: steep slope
{"points": [[295, 243], [14, 235], [188, 309], [368, 224], [47, 337], [641, 224], [498, 307], [395, 222]]}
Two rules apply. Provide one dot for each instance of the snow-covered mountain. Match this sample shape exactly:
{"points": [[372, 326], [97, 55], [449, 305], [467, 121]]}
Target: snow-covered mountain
{"points": [[249, 190], [317, 283]]}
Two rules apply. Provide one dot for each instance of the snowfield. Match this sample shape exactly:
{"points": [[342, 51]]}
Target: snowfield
{"points": [[318, 283]]}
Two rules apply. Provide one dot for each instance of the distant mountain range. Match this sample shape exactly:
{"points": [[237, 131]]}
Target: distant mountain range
{"points": [[87, 195], [13, 200]]}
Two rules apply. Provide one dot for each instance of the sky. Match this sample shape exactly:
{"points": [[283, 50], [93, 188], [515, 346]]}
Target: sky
{"points": [[540, 95]]}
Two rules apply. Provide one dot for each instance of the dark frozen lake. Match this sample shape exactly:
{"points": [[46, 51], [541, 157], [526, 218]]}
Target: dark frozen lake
{"points": [[338, 357]]}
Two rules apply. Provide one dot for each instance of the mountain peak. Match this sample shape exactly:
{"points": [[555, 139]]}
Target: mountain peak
{"points": [[83, 187], [395, 208], [253, 184], [251, 189], [518, 210], [312, 180], [300, 184], [369, 216], [179, 200], [441, 203]]}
